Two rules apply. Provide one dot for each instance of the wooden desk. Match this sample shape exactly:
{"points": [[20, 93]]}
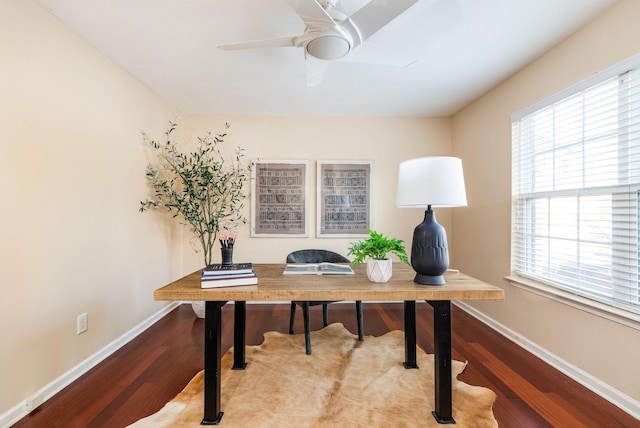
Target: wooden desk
{"points": [[273, 286]]}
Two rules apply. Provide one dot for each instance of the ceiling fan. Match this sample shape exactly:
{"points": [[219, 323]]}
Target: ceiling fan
{"points": [[330, 34]]}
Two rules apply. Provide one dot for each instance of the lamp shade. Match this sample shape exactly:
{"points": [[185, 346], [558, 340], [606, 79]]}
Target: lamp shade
{"points": [[437, 181]]}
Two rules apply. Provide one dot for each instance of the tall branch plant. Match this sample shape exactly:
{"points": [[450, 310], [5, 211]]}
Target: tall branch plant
{"points": [[202, 188]]}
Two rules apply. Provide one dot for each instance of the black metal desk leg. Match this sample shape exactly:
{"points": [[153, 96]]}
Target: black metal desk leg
{"points": [[442, 360], [239, 328], [410, 359], [360, 320], [212, 365]]}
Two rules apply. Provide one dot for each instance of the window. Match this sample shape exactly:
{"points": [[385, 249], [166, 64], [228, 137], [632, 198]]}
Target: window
{"points": [[576, 188]]}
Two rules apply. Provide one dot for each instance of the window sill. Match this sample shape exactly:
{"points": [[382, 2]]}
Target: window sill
{"points": [[605, 311]]}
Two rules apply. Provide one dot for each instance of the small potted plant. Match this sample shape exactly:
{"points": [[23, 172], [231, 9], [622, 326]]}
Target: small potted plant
{"points": [[375, 249]]}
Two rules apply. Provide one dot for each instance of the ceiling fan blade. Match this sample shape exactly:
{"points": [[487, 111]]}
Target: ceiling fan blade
{"points": [[310, 10], [315, 69], [267, 43], [378, 13]]}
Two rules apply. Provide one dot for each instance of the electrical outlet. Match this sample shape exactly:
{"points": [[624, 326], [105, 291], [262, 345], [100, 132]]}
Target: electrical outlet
{"points": [[82, 324]]}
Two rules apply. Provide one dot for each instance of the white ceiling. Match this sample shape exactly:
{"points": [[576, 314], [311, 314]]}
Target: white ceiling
{"points": [[459, 50]]}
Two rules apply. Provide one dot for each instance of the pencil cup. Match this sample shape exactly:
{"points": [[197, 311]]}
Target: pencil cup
{"points": [[227, 256]]}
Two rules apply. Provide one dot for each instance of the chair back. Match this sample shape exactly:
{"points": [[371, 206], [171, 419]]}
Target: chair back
{"points": [[316, 256]]}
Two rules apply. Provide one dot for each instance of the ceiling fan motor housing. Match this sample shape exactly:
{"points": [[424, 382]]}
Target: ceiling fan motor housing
{"points": [[330, 42], [328, 47]]}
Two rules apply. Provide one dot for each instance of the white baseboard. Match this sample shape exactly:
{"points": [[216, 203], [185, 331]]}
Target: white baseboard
{"points": [[601, 388], [19, 411]]}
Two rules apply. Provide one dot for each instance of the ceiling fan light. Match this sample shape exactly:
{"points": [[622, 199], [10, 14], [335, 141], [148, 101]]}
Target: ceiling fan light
{"points": [[328, 47]]}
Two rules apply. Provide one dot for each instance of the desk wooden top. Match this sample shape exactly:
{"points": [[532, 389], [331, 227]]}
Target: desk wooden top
{"points": [[274, 286]]}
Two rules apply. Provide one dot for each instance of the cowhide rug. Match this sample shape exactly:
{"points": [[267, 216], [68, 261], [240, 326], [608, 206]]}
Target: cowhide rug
{"points": [[344, 383]]}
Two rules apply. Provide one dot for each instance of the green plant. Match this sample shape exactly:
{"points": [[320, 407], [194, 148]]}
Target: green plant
{"points": [[377, 246], [201, 187]]}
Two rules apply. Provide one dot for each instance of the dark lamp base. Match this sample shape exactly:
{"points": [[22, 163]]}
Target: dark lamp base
{"points": [[429, 253], [429, 279]]}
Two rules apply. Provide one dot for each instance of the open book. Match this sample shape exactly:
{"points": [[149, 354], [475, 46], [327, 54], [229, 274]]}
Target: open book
{"points": [[325, 268]]}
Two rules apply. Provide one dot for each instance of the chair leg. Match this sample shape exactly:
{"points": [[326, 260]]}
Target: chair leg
{"points": [[307, 327], [360, 320], [292, 317], [325, 315]]}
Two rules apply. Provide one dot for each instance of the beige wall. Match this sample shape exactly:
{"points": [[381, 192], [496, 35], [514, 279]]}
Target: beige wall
{"points": [[386, 141], [482, 137], [71, 175]]}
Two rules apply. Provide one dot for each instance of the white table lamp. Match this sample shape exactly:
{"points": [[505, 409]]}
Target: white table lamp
{"points": [[428, 182]]}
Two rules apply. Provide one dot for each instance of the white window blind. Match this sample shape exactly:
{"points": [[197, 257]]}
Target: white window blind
{"points": [[576, 186]]}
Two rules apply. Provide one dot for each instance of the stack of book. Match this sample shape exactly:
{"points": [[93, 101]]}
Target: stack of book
{"points": [[228, 275]]}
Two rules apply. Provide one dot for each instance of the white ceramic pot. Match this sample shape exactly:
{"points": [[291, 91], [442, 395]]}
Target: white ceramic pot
{"points": [[198, 308], [379, 270]]}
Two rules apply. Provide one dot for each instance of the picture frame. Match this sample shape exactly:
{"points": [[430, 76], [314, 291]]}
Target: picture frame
{"points": [[280, 198], [344, 198]]}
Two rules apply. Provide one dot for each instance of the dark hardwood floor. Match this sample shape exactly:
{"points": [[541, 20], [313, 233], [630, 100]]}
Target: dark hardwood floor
{"points": [[149, 371]]}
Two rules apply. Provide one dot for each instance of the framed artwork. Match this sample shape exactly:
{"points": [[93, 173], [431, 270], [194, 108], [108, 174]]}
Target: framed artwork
{"points": [[279, 200], [344, 198]]}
